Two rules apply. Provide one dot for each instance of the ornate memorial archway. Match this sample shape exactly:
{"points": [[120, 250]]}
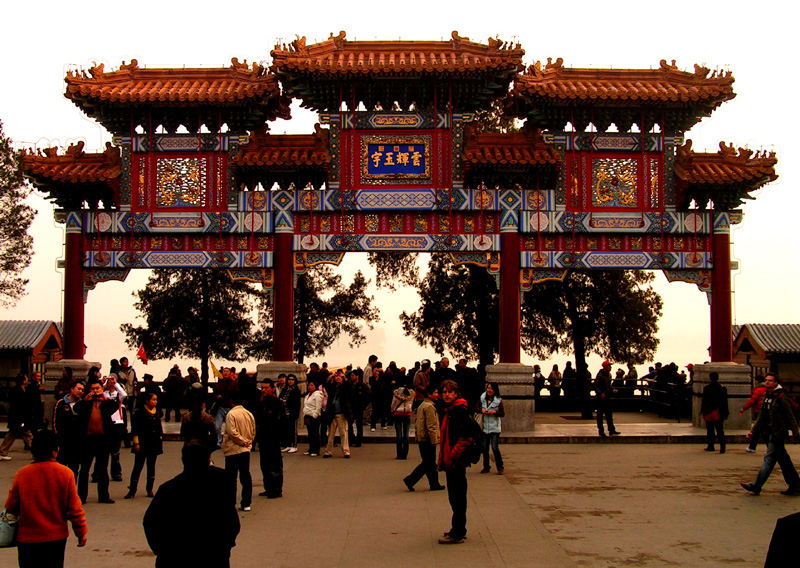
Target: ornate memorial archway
{"points": [[193, 177]]}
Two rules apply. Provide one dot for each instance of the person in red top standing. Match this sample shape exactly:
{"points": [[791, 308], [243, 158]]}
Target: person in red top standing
{"points": [[755, 401], [455, 440], [44, 497]]}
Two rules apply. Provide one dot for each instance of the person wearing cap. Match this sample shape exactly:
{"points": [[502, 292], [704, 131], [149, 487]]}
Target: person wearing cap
{"points": [[755, 402], [603, 393]]}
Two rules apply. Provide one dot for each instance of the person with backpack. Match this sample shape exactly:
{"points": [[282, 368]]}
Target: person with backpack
{"points": [[776, 418], [456, 441], [491, 410]]}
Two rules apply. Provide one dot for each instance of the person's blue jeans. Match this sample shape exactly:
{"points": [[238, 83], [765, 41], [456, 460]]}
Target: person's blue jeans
{"points": [[492, 440], [776, 452], [402, 425], [219, 420]]}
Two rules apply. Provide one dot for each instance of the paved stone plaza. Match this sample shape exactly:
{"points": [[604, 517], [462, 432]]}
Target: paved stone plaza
{"points": [[559, 505]]}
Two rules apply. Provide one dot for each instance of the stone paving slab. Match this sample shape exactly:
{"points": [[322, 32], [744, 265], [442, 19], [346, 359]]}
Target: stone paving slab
{"points": [[334, 513]]}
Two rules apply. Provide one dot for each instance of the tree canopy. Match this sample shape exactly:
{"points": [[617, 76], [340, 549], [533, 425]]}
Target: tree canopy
{"points": [[612, 313], [459, 311], [324, 310], [194, 313], [16, 245], [201, 313]]}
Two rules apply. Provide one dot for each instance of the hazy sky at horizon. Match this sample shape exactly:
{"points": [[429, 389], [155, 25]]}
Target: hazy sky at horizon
{"points": [[45, 39]]}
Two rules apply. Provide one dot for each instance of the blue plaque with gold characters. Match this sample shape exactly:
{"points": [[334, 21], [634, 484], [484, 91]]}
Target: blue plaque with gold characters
{"points": [[396, 157]]}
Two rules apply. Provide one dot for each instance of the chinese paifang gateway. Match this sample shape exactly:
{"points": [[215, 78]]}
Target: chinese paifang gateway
{"points": [[410, 173]]}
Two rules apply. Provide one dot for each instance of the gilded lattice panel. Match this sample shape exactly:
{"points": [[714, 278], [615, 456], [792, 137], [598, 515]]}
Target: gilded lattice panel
{"points": [[396, 223], [349, 222], [181, 182], [469, 224], [371, 223], [614, 182]]}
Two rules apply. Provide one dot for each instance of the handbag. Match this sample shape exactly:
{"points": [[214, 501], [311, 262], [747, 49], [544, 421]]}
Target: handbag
{"points": [[8, 529], [479, 419], [712, 416]]}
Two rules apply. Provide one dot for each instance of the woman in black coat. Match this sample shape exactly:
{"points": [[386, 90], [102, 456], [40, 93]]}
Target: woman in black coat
{"points": [[147, 443]]}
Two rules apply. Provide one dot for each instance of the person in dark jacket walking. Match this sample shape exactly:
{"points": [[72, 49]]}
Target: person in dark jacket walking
{"points": [[714, 409], [776, 419], [455, 440], [147, 443], [18, 415]]}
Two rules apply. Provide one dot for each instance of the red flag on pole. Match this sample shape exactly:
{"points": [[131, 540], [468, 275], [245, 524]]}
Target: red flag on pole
{"points": [[141, 354]]}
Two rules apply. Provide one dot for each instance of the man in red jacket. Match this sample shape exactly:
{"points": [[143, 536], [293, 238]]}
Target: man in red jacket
{"points": [[44, 497], [755, 401], [455, 440]]}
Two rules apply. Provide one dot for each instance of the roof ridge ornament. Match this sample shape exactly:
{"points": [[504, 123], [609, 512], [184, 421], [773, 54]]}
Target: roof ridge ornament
{"points": [[457, 40], [666, 66], [132, 67], [701, 72], [75, 150], [338, 41]]}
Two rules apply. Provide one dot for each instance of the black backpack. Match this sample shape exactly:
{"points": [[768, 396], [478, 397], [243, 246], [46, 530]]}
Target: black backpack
{"points": [[474, 452]]}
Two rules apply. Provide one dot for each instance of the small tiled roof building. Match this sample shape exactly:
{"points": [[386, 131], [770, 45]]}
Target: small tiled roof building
{"points": [[770, 347]]}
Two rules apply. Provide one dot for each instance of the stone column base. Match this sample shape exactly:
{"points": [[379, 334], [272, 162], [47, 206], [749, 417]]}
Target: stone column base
{"points": [[516, 389], [734, 377]]}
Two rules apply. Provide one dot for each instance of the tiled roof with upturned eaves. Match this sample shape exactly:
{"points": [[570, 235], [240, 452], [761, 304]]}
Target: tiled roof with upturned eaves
{"points": [[338, 56], [773, 338], [131, 84], [18, 335], [556, 84]]}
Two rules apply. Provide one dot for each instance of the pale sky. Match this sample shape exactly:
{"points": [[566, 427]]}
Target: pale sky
{"points": [[43, 40]]}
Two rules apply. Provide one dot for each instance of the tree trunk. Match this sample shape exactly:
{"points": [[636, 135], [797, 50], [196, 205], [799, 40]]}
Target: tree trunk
{"points": [[579, 346], [204, 335]]}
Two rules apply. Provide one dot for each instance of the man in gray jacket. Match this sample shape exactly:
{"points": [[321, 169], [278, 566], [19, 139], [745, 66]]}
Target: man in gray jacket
{"points": [[427, 434]]}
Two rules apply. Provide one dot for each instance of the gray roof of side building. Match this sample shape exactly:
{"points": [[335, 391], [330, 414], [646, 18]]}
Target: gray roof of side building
{"points": [[773, 338], [23, 334]]}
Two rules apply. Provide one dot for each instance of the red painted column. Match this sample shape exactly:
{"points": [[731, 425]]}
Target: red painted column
{"points": [[73, 295], [283, 299], [721, 313], [509, 298]]}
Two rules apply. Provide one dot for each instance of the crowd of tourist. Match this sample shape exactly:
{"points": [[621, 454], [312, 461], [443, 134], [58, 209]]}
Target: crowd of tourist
{"points": [[95, 418]]}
